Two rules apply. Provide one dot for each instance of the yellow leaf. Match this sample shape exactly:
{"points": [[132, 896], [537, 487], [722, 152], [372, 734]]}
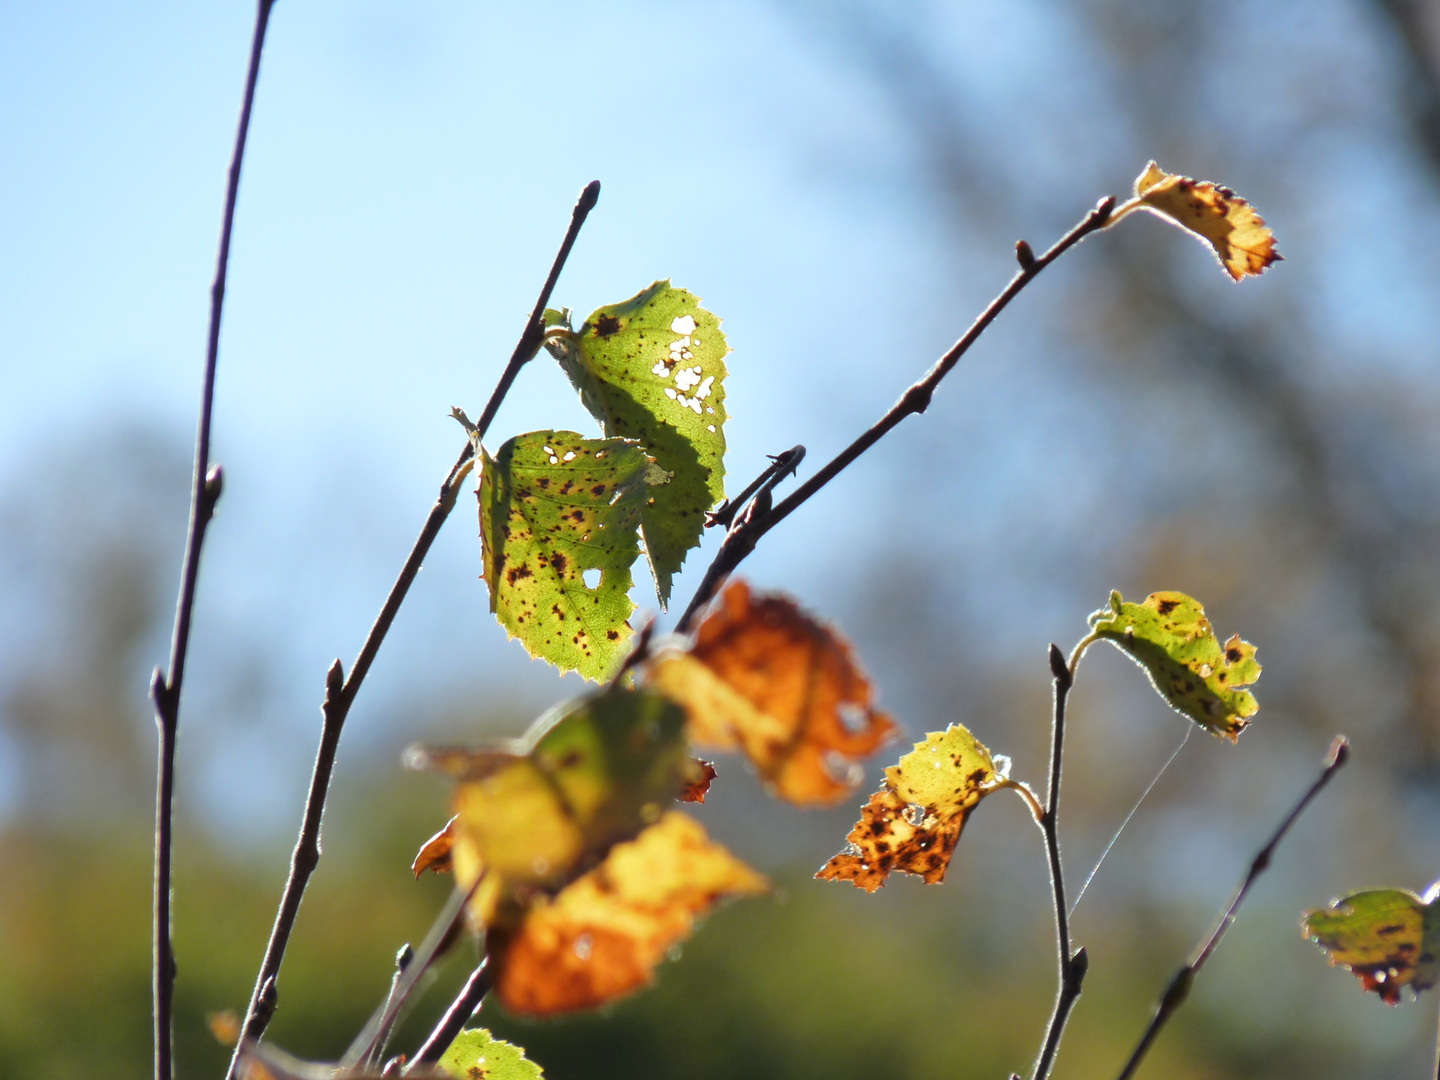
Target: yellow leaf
{"points": [[767, 679], [914, 821], [1216, 214], [603, 935]]}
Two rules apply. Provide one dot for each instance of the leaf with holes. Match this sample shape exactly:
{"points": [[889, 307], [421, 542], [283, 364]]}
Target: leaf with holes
{"points": [[766, 678], [533, 814], [555, 507], [1389, 938], [604, 934], [1171, 638], [477, 1055], [914, 821], [652, 369], [1215, 214]]}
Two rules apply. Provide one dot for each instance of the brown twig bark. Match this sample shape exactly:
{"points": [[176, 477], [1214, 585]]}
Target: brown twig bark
{"points": [[1179, 988], [742, 538], [165, 688], [340, 691], [1072, 965], [453, 1022]]}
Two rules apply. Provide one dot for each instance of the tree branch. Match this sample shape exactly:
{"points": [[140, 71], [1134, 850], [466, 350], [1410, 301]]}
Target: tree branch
{"points": [[165, 689], [740, 542], [1179, 988], [340, 692], [453, 1022], [1072, 965]]}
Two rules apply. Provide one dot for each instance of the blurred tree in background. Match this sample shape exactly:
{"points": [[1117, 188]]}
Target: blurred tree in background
{"points": [[1133, 423]]}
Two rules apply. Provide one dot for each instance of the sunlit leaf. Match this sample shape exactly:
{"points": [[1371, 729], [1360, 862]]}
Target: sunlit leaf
{"points": [[536, 813], [914, 821], [554, 507], [1172, 639], [698, 783], [435, 853], [1389, 938], [1216, 214], [604, 934], [476, 1055], [764, 677], [653, 369]]}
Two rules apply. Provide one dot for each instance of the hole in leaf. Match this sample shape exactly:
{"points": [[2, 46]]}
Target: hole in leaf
{"points": [[591, 578]]}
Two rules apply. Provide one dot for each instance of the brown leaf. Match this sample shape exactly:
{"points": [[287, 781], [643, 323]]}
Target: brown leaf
{"points": [[697, 785], [914, 821], [768, 679], [1231, 225], [603, 934], [435, 852]]}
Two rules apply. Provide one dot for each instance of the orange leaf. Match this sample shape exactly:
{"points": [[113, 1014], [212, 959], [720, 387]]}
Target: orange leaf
{"points": [[914, 821], [1231, 225], [603, 935], [435, 853], [698, 785], [767, 679]]}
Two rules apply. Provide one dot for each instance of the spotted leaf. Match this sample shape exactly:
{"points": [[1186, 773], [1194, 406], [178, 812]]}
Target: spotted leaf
{"points": [[604, 934], [535, 813], [914, 821], [1216, 214], [555, 507], [1389, 938], [477, 1055], [652, 369], [766, 678], [1171, 638]]}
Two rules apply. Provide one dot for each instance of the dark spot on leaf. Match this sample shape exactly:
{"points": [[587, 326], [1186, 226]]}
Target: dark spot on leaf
{"points": [[1232, 654], [559, 562], [607, 325], [613, 635], [1167, 606]]}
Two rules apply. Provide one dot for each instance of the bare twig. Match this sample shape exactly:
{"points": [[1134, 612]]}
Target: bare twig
{"points": [[1179, 988], [165, 689], [340, 693], [1072, 965], [403, 959], [741, 538], [460, 1010], [740, 542]]}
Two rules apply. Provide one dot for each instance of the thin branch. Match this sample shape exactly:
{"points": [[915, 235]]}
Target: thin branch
{"points": [[781, 465], [340, 692], [1072, 965], [403, 959], [915, 400], [165, 689], [742, 536], [460, 1010], [1179, 988]]}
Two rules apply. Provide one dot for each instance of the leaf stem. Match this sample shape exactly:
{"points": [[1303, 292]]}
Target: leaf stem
{"points": [[1072, 965], [915, 400], [340, 692], [454, 1020], [1179, 987], [205, 493]]}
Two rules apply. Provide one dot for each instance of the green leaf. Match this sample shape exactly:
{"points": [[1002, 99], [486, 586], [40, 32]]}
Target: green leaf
{"points": [[1172, 639], [552, 506], [653, 369], [475, 1055], [1389, 938], [535, 813]]}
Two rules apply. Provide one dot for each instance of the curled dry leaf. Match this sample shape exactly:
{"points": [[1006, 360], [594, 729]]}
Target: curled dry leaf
{"points": [[697, 784], [767, 679], [1170, 637], [1389, 938], [1215, 214], [535, 814], [435, 853], [914, 821], [603, 935]]}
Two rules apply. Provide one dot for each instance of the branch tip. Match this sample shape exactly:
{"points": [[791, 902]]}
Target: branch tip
{"points": [[404, 956], [1103, 209], [588, 197], [1339, 753], [214, 484], [334, 681], [1059, 667], [1024, 254]]}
